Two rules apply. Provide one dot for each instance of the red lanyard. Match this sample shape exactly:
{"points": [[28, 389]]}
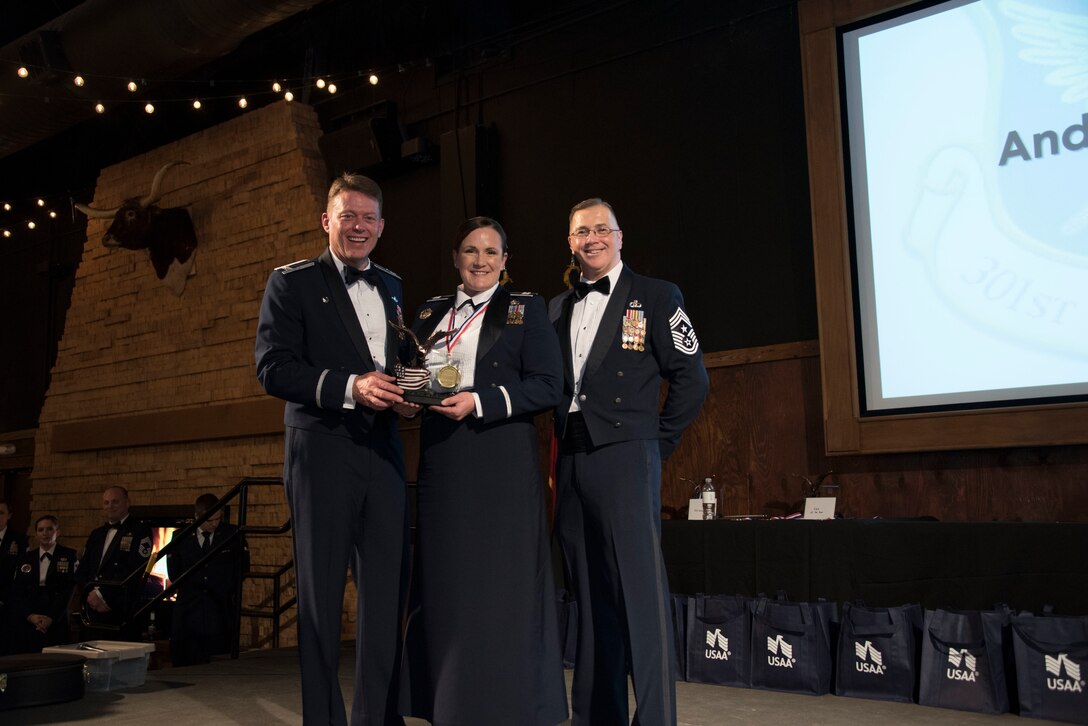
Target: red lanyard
{"points": [[456, 334]]}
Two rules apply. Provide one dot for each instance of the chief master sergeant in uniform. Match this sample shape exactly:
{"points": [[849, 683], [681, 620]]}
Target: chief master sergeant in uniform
{"points": [[620, 334], [324, 345], [113, 552]]}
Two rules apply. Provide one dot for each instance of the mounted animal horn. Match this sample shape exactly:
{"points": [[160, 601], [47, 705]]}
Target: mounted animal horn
{"points": [[153, 196], [156, 185], [93, 213]]}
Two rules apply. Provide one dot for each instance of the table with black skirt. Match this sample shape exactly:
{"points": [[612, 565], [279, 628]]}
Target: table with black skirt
{"points": [[959, 565]]}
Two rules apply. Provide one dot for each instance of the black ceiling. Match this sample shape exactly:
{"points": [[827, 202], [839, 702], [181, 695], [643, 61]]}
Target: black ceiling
{"points": [[332, 37]]}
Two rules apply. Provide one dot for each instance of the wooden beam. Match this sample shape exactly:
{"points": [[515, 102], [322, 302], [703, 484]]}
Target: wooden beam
{"points": [[762, 354], [259, 417]]}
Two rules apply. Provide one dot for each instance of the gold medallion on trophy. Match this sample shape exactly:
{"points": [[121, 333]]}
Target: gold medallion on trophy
{"points": [[448, 376]]}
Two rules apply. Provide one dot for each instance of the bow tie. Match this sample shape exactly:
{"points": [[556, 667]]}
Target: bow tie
{"points": [[467, 304], [113, 525], [46, 556], [369, 274], [582, 288]]}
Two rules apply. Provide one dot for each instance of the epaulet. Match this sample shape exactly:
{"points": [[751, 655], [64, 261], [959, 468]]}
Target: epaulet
{"points": [[523, 294], [385, 269], [436, 298], [295, 266]]}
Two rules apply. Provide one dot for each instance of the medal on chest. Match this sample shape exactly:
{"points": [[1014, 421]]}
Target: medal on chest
{"points": [[633, 334]]}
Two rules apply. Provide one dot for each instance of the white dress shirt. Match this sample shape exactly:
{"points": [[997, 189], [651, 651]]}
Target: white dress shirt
{"points": [[370, 309], [585, 319], [43, 563], [467, 343]]}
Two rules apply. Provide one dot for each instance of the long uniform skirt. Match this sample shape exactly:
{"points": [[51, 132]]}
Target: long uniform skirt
{"points": [[482, 644]]}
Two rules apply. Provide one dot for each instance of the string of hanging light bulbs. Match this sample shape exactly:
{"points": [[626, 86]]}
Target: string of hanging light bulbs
{"points": [[29, 213]]}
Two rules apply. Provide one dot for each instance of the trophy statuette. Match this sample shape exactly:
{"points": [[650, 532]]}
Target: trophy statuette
{"points": [[416, 379]]}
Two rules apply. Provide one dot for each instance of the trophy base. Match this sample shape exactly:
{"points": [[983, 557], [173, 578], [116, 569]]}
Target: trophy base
{"points": [[416, 383], [426, 398]]}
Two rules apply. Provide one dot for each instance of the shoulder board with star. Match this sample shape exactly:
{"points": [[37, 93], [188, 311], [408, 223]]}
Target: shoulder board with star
{"points": [[295, 266], [385, 269]]}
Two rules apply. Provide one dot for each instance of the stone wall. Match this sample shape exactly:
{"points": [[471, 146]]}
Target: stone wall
{"points": [[136, 359]]}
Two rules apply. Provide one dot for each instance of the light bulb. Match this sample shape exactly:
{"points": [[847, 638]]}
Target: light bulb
{"points": [[22, 72], [41, 202], [30, 225], [132, 86], [373, 79], [99, 108], [197, 104], [277, 87], [332, 88], [78, 80], [242, 102], [288, 97]]}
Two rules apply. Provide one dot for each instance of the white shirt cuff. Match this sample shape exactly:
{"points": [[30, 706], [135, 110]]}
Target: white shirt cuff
{"points": [[509, 406], [349, 400]]}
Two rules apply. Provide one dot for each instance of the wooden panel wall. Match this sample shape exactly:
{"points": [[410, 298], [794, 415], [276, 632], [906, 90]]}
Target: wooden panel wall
{"points": [[762, 426]]}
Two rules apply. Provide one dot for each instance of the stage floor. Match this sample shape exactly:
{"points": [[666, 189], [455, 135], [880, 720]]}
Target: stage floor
{"points": [[262, 688]]}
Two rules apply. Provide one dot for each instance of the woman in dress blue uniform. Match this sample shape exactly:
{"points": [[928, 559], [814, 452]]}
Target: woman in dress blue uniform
{"points": [[42, 586], [482, 644]]}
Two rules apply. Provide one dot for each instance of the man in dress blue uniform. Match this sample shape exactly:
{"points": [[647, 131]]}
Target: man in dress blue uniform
{"points": [[324, 345], [621, 334], [12, 547], [205, 617], [43, 585], [113, 552]]}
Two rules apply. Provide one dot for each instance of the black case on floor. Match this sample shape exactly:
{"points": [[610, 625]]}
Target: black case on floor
{"points": [[40, 678]]}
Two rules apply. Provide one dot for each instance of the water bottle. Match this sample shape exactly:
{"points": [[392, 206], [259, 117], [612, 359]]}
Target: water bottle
{"points": [[710, 499]]}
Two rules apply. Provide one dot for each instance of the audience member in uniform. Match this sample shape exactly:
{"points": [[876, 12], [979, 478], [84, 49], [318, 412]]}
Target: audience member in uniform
{"points": [[620, 334], [12, 547], [41, 591], [483, 646], [325, 346], [205, 618], [113, 552]]}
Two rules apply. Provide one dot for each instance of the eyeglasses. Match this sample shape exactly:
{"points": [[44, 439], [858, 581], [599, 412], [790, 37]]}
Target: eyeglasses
{"points": [[600, 231]]}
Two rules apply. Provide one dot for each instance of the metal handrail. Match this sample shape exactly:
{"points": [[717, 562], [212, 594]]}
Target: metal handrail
{"points": [[240, 491], [278, 608]]}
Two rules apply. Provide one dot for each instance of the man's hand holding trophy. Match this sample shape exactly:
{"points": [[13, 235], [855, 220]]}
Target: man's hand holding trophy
{"points": [[422, 385]]}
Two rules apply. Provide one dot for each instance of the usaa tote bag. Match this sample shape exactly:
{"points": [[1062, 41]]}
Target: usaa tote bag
{"points": [[719, 640], [879, 651], [791, 646], [963, 665], [1052, 666]]}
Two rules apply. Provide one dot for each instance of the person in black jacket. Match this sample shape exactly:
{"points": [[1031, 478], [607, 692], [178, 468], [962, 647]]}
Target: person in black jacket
{"points": [[482, 646], [12, 547], [41, 590], [325, 346], [113, 552], [205, 618], [620, 334]]}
